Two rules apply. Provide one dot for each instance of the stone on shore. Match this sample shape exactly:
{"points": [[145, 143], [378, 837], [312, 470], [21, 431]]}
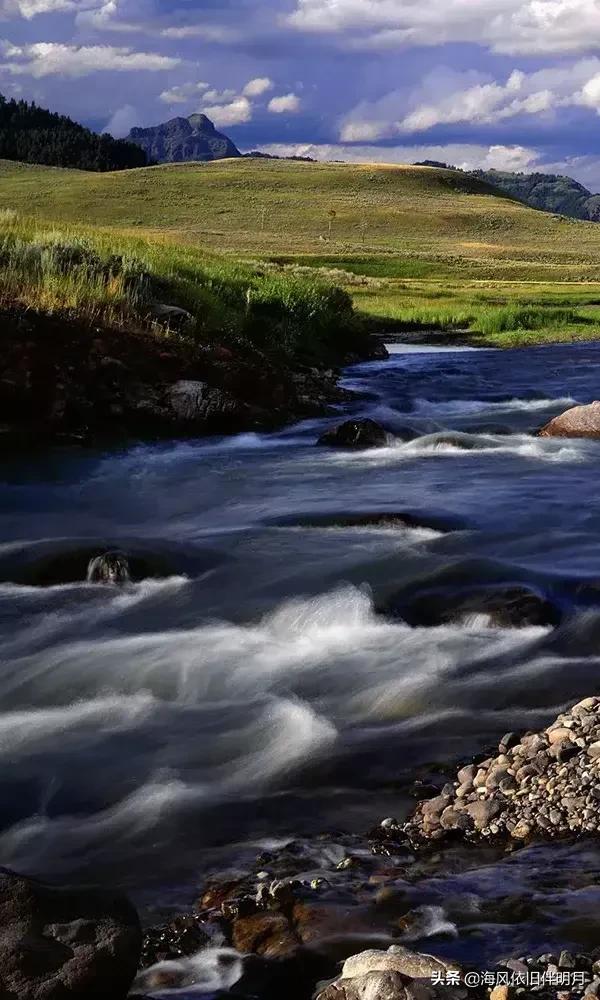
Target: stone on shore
{"points": [[62, 943], [357, 434], [546, 784], [396, 974], [578, 422]]}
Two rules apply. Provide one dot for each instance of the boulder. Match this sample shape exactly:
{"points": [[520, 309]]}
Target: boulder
{"points": [[357, 434], [173, 317], [398, 959], [60, 943], [396, 974], [371, 986], [578, 422]]}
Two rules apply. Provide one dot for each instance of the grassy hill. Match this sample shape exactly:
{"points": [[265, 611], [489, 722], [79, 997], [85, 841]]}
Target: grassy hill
{"points": [[416, 245]]}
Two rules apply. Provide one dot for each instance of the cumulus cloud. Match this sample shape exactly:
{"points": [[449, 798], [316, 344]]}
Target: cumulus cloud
{"points": [[237, 112], [184, 93], [286, 104], [509, 26], [56, 59], [258, 87], [449, 98], [466, 156], [122, 121], [228, 107]]}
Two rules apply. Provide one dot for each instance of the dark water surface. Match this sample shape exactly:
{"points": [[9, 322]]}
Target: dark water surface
{"points": [[152, 732]]}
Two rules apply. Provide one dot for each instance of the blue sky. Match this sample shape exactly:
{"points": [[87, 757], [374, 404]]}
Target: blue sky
{"points": [[511, 84]]}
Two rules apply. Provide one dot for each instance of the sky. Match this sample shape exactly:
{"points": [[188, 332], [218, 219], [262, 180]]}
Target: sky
{"points": [[508, 84]]}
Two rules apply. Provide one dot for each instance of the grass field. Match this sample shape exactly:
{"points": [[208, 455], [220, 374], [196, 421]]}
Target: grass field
{"points": [[415, 247]]}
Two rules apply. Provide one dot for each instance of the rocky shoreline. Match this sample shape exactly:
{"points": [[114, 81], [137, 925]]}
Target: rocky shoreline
{"points": [[65, 382], [281, 930]]}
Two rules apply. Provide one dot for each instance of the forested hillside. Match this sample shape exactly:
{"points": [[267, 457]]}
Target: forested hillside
{"points": [[34, 135], [550, 192]]}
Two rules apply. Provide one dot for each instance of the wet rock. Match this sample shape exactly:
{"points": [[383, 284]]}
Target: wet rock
{"points": [[60, 943], [547, 784], [316, 923], [112, 567], [368, 519], [266, 934], [60, 561], [578, 422], [502, 606], [357, 434], [182, 936]]}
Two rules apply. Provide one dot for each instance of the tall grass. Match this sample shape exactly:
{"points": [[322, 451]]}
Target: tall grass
{"points": [[115, 279], [491, 320]]}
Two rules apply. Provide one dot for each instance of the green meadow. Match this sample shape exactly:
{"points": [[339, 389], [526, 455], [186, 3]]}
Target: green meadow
{"points": [[415, 248]]}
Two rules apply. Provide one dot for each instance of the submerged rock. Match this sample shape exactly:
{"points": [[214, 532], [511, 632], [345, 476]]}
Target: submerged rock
{"points": [[357, 434], [578, 422], [502, 607], [58, 944], [545, 785], [63, 561]]}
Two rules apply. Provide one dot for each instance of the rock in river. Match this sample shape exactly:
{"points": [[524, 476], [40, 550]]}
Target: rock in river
{"points": [[111, 567], [578, 422], [65, 944], [357, 434]]}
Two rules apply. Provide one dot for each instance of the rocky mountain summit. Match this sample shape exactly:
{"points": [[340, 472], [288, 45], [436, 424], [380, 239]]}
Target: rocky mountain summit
{"points": [[181, 139]]}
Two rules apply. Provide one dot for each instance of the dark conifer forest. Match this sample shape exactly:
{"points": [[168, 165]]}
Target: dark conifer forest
{"points": [[34, 135]]}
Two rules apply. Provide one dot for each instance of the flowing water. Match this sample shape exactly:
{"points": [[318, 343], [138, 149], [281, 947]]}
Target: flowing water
{"points": [[247, 689]]}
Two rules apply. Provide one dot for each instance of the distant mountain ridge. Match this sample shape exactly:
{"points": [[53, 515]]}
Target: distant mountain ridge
{"points": [[555, 193], [550, 192], [33, 135], [181, 139]]}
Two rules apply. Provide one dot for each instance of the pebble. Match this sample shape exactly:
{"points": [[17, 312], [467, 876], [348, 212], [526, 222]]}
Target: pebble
{"points": [[543, 783]]}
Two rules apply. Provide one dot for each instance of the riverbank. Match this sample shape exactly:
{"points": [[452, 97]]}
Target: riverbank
{"points": [[108, 338], [64, 381]]}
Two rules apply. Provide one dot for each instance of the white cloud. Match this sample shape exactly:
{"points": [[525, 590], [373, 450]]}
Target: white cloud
{"points": [[509, 26], [29, 9], [449, 98], [122, 121], [207, 32], [464, 155], [287, 104], [184, 93], [258, 87], [55, 59], [237, 112]]}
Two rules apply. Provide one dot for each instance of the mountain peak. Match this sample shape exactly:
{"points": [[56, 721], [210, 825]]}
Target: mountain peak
{"points": [[200, 122], [181, 139]]}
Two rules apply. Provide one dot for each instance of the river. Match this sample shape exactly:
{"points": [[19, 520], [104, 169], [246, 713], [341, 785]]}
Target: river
{"points": [[252, 692]]}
